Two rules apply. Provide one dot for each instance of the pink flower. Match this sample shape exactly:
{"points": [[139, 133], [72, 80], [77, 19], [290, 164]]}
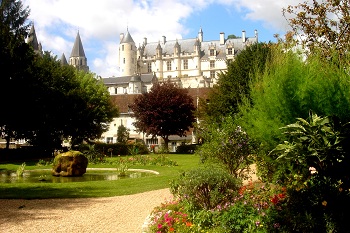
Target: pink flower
{"points": [[160, 226]]}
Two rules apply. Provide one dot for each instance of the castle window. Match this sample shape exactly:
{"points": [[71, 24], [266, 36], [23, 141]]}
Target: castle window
{"points": [[212, 52], [149, 67], [168, 65], [229, 51], [125, 91], [212, 64], [212, 74], [122, 47], [185, 64], [124, 60], [115, 90]]}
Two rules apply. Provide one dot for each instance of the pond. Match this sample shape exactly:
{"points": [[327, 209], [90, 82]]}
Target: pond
{"points": [[44, 176]]}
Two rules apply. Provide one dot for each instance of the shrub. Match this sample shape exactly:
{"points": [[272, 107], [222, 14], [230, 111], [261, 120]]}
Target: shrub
{"points": [[313, 165], [229, 146], [205, 188], [186, 149]]}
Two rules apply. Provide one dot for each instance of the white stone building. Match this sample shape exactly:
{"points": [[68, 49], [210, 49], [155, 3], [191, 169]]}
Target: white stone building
{"points": [[191, 63]]}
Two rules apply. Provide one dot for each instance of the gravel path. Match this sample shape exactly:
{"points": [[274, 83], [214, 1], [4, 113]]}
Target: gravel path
{"points": [[121, 214]]}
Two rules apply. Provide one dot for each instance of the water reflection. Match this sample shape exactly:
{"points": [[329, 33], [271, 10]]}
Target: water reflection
{"points": [[40, 176]]}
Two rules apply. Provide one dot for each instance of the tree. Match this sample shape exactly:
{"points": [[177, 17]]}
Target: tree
{"points": [[15, 60], [233, 84], [122, 134], [165, 110], [321, 25], [66, 104]]}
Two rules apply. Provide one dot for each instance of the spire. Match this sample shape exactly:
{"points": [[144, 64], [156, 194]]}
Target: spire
{"points": [[63, 60], [32, 39], [78, 50], [127, 38]]}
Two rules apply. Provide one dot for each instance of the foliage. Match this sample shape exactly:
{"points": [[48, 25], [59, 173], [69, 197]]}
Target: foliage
{"points": [[186, 149], [16, 58], [123, 134], [233, 84], [122, 167], [169, 217], [204, 188], [255, 207], [313, 165], [287, 90], [93, 156], [20, 170], [165, 110], [317, 144], [159, 160], [321, 25], [229, 146]]}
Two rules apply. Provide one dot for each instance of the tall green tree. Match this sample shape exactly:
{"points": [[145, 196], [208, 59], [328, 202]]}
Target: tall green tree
{"points": [[67, 104], [233, 84], [123, 134], [165, 110], [16, 58]]}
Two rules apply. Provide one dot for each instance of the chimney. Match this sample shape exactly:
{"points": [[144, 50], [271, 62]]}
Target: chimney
{"points": [[243, 36], [145, 41], [121, 36], [222, 38], [164, 39]]}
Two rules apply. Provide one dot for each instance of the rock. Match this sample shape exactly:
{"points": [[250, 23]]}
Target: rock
{"points": [[71, 163]]}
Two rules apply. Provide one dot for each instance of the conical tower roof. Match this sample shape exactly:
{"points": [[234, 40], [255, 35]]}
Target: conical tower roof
{"points": [[32, 39], [78, 50], [63, 60], [127, 38]]}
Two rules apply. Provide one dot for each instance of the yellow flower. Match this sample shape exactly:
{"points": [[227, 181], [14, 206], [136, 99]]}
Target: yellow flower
{"points": [[324, 203]]}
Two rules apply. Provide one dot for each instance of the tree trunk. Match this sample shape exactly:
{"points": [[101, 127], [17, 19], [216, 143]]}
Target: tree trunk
{"points": [[166, 144]]}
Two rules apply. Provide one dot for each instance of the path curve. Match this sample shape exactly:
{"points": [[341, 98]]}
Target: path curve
{"points": [[120, 214]]}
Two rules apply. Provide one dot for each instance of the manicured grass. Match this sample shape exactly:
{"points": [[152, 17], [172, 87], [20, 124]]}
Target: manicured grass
{"points": [[97, 188]]}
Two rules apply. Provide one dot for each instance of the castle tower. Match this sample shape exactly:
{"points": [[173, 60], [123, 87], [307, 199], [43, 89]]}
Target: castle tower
{"points": [[197, 56], [177, 58], [33, 41], [77, 57], [63, 60], [159, 61], [200, 35], [127, 54]]}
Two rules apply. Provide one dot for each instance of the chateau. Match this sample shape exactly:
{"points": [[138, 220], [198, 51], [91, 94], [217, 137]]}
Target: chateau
{"points": [[190, 63]]}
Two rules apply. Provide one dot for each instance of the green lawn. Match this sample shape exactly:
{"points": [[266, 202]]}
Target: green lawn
{"points": [[96, 188]]}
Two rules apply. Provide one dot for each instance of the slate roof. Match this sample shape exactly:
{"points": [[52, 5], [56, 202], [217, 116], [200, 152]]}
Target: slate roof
{"points": [[146, 78], [32, 39], [63, 60], [127, 38], [78, 50], [187, 46]]}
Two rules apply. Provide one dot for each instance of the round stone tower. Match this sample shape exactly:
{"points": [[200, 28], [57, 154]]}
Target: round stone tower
{"points": [[127, 54]]}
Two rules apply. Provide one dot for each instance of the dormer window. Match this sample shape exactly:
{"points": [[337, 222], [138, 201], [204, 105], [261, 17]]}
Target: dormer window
{"points": [[212, 52], [229, 51]]}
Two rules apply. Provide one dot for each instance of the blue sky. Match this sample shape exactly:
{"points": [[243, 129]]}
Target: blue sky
{"points": [[101, 22]]}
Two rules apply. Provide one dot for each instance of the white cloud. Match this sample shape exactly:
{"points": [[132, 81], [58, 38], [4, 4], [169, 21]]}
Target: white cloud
{"points": [[101, 22]]}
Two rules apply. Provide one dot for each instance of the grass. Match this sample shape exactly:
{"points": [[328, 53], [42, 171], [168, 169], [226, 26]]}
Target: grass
{"points": [[96, 188]]}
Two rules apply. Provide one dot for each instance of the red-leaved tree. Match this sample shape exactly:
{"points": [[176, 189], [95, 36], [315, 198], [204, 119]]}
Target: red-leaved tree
{"points": [[165, 110]]}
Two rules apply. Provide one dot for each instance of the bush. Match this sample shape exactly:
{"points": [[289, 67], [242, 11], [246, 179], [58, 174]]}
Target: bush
{"points": [[205, 188], [186, 149], [313, 165], [229, 146]]}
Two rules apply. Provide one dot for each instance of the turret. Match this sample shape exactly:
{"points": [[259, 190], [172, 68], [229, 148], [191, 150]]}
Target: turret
{"points": [[77, 57], [127, 54], [200, 35]]}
